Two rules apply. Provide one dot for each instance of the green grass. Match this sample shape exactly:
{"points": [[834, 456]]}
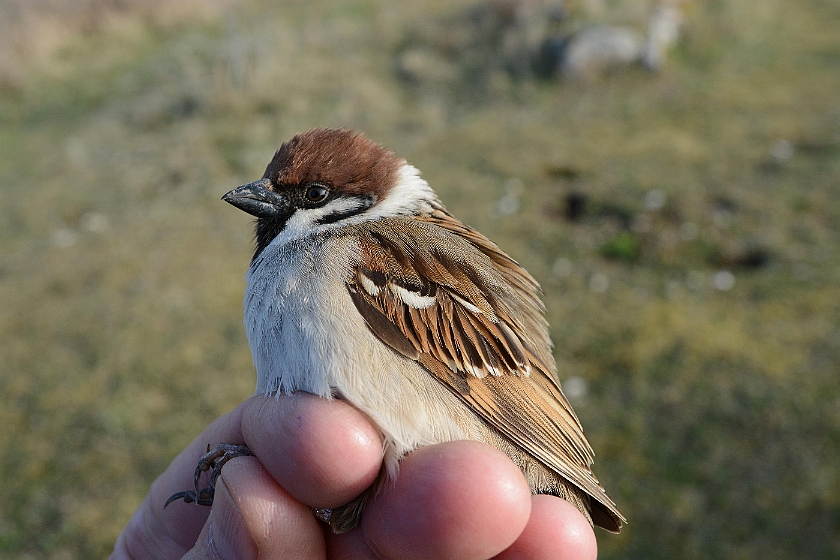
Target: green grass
{"points": [[714, 414]]}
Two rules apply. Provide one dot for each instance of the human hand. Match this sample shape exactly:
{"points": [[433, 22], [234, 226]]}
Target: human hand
{"points": [[463, 500]]}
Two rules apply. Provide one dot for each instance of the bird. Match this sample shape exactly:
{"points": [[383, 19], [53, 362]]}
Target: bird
{"points": [[363, 287]]}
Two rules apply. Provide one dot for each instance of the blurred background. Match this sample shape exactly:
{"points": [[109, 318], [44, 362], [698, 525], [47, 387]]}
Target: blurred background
{"points": [[669, 171]]}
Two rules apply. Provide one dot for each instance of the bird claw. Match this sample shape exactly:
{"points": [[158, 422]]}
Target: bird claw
{"points": [[323, 514], [203, 497], [212, 461]]}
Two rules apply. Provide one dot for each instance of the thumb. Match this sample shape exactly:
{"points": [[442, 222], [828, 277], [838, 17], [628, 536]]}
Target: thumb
{"points": [[254, 517]]}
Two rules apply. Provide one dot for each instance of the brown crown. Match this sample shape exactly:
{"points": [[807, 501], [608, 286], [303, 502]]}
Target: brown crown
{"points": [[341, 158]]}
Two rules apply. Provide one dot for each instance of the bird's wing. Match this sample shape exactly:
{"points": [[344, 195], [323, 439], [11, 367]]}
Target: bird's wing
{"points": [[441, 293]]}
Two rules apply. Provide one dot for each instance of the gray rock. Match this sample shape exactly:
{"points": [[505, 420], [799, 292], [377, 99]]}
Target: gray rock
{"points": [[663, 33], [600, 48]]}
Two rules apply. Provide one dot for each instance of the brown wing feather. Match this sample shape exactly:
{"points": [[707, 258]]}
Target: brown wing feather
{"points": [[474, 318]]}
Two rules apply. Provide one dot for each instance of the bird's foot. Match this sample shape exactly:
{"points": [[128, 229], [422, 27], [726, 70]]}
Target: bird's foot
{"points": [[212, 461]]}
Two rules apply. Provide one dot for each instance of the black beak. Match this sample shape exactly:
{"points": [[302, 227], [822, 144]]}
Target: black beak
{"points": [[258, 200]]}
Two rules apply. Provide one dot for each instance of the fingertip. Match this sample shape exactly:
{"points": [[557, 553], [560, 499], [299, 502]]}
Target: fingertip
{"points": [[452, 500], [323, 452], [555, 530]]}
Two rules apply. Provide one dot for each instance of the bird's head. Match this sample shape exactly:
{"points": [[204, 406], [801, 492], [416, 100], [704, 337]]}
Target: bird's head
{"points": [[327, 178]]}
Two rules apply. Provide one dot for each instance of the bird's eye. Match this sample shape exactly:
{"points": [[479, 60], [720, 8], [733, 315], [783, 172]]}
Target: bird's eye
{"points": [[316, 193]]}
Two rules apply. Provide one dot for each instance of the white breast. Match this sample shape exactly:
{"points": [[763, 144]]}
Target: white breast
{"points": [[295, 308], [306, 335]]}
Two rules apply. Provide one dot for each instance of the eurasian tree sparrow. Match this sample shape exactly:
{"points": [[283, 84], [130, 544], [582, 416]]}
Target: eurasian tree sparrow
{"points": [[364, 288]]}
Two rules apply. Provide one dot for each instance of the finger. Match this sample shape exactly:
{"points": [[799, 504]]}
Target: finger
{"points": [[253, 517], [155, 532], [461, 500], [326, 452], [555, 530], [323, 452]]}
